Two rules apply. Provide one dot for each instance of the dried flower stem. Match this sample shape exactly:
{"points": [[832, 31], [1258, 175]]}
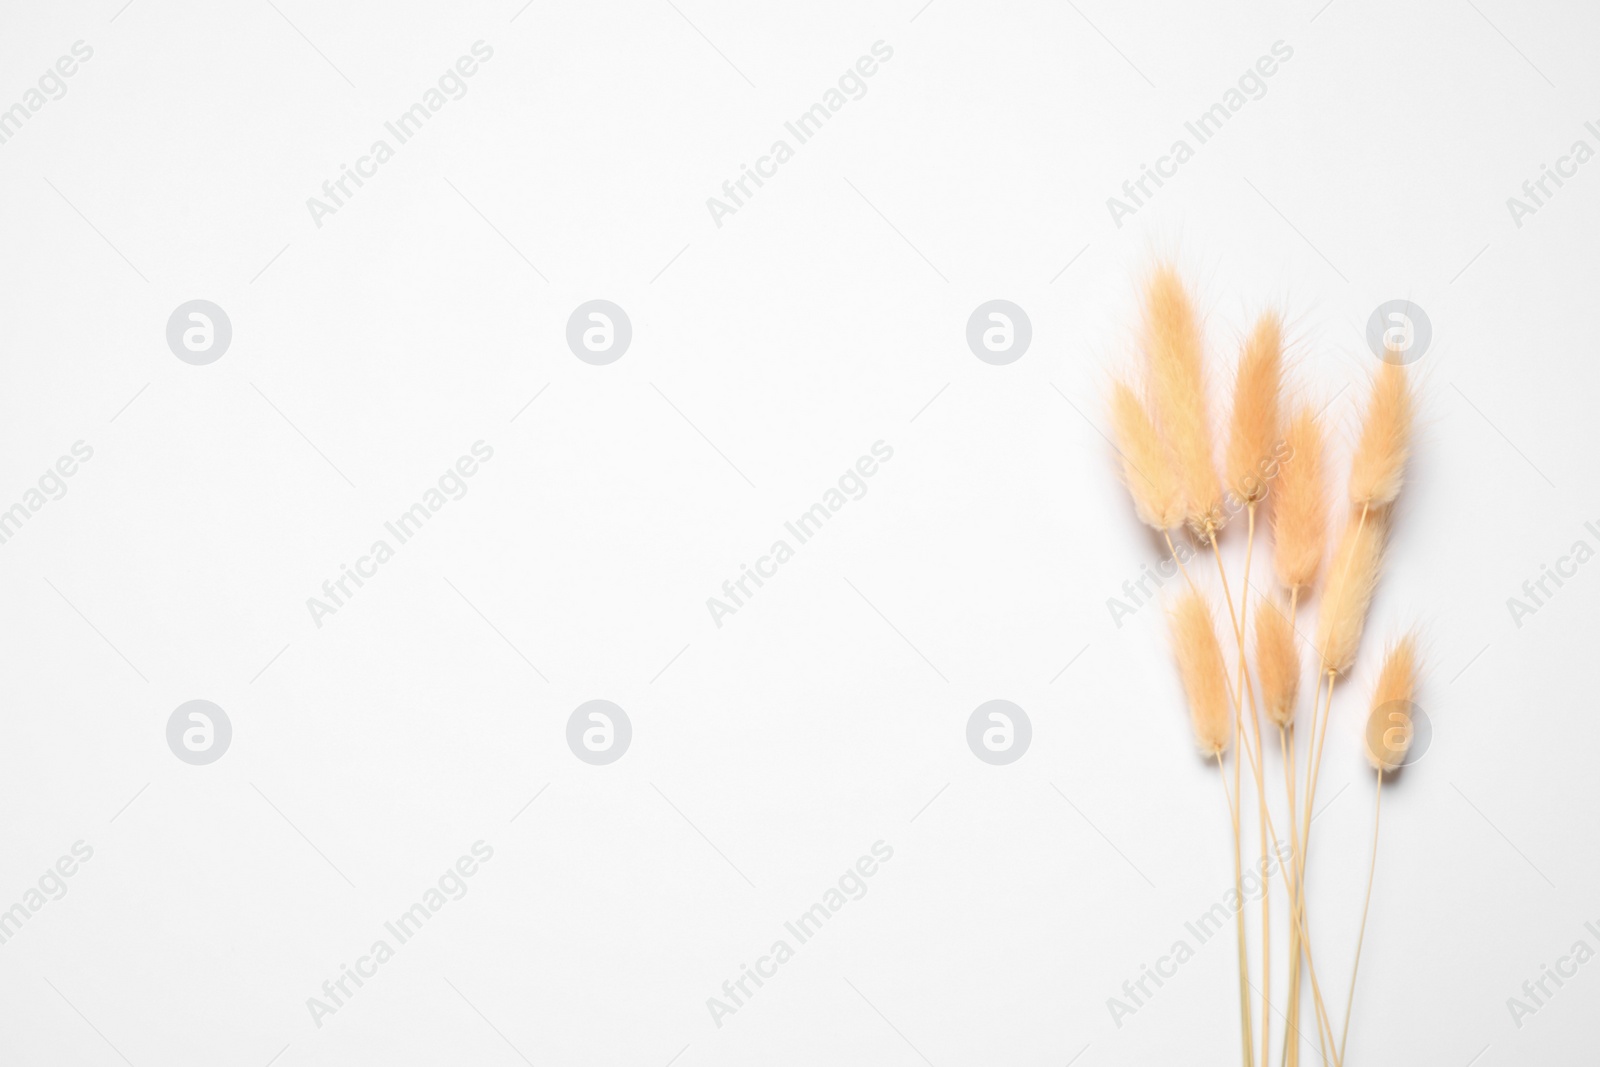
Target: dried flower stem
{"points": [[1238, 887], [1372, 867]]}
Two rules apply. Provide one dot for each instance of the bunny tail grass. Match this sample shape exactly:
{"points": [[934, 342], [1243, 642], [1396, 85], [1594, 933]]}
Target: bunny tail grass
{"points": [[1300, 505], [1377, 468], [1277, 663], [1174, 350], [1147, 468], [1253, 428], [1352, 577], [1201, 669], [1389, 714]]}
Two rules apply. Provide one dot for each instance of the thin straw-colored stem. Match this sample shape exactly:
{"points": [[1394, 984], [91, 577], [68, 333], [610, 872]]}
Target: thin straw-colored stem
{"points": [[1372, 868], [1238, 888]]}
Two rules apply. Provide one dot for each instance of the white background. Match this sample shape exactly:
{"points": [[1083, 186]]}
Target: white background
{"points": [[827, 314]]}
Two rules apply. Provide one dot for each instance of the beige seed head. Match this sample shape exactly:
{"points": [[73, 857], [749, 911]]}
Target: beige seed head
{"points": [[1300, 505], [1277, 662], [1146, 464], [1174, 348], [1253, 429], [1352, 577], [1389, 718], [1200, 666], [1378, 466]]}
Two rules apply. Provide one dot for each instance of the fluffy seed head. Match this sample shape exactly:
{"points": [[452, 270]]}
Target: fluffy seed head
{"points": [[1389, 720], [1253, 429], [1300, 505], [1200, 666], [1277, 663], [1352, 576], [1146, 464], [1174, 349], [1378, 466]]}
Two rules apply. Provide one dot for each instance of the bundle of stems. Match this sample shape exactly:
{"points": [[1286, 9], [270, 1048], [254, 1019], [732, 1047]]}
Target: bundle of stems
{"points": [[1273, 458]]}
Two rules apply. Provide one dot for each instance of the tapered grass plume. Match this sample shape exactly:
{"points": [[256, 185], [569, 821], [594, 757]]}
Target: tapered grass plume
{"points": [[1146, 463], [1253, 429], [1352, 577], [1173, 347], [1389, 732], [1277, 663], [1377, 468], [1201, 669], [1300, 505]]}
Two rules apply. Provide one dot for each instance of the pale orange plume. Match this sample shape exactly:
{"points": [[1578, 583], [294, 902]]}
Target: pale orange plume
{"points": [[1200, 666], [1378, 466], [1389, 724], [1253, 430], [1277, 662], [1174, 348], [1300, 504], [1352, 576], [1146, 463]]}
